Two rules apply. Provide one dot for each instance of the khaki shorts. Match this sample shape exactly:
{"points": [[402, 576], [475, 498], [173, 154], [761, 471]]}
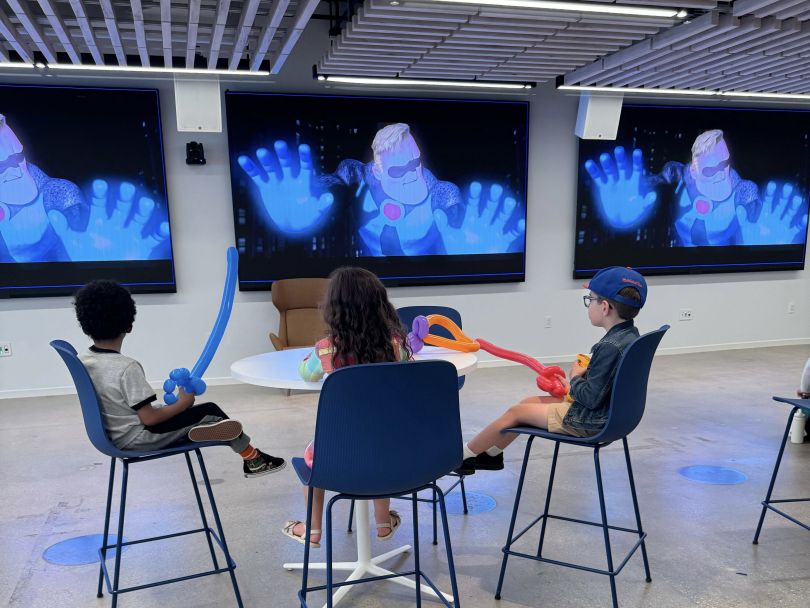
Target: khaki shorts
{"points": [[556, 416]]}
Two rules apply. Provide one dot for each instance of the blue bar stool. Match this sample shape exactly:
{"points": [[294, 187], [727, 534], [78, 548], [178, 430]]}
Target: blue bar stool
{"points": [[384, 430], [406, 316], [768, 502], [93, 424], [626, 409]]}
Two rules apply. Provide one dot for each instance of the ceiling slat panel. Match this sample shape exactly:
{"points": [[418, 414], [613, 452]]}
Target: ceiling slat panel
{"points": [[192, 32], [112, 30], [35, 33], [140, 33], [753, 51], [522, 41], [745, 43], [246, 18], [9, 32], [166, 32], [153, 30], [58, 26]]}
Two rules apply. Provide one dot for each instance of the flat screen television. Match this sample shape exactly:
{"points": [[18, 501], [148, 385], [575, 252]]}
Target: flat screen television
{"points": [[419, 191], [82, 190], [695, 189]]}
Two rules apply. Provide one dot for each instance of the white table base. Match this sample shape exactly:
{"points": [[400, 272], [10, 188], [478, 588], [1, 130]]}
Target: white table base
{"points": [[366, 565]]}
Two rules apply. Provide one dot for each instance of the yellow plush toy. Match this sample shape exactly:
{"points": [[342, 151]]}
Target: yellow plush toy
{"points": [[582, 361]]}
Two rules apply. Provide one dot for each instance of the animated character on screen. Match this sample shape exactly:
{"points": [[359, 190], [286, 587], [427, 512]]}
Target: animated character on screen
{"points": [[406, 210], [715, 205], [42, 218]]}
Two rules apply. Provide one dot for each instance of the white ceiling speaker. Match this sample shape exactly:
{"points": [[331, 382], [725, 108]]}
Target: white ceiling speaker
{"points": [[598, 116], [198, 105]]}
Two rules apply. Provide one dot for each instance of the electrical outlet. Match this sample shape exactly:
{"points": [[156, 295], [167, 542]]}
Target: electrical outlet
{"points": [[685, 315], [5, 349], [791, 307], [548, 322]]}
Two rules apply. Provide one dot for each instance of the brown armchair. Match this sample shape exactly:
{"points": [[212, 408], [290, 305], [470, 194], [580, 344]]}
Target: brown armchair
{"points": [[300, 319]]}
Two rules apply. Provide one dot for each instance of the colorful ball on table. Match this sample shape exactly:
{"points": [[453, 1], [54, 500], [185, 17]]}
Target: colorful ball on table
{"points": [[309, 454]]}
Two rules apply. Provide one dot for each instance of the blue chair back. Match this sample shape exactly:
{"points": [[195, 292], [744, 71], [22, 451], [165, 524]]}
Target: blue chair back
{"points": [[408, 313], [91, 408], [385, 428], [630, 387]]}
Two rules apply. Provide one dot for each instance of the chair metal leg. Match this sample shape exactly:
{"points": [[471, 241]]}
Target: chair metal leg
{"points": [[119, 540], [307, 528], [99, 593], [448, 548], [605, 529], [202, 511], [635, 507], [775, 473], [418, 576], [435, 540], [518, 492], [329, 577], [220, 531], [548, 499], [463, 495], [351, 516]]}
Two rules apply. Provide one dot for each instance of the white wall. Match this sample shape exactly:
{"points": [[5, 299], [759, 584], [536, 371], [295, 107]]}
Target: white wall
{"points": [[729, 310]]}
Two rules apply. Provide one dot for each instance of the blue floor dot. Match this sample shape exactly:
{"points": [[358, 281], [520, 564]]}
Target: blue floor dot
{"points": [[476, 503], [715, 475], [79, 550]]}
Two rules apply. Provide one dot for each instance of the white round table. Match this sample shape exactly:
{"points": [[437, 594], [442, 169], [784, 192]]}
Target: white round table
{"points": [[279, 369]]}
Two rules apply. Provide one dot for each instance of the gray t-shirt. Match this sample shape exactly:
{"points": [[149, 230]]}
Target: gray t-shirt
{"points": [[122, 389]]}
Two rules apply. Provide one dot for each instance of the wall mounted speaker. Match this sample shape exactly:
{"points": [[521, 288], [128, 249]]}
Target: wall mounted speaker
{"points": [[598, 116], [198, 105]]}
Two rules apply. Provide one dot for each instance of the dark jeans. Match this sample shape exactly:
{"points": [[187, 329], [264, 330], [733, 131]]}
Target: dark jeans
{"points": [[191, 417], [174, 431]]}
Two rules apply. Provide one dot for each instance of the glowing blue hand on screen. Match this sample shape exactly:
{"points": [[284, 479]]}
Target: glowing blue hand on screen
{"points": [[111, 238], [775, 224], [288, 200], [482, 231], [22, 232], [618, 188]]}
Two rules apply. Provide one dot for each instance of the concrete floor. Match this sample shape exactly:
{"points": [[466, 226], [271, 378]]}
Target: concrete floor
{"points": [[711, 408]]}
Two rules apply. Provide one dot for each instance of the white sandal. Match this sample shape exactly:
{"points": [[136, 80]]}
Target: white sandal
{"points": [[396, 520], [287, 530]]}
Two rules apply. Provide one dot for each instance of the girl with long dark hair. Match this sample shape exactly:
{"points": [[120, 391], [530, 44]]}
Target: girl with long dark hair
{"points": [[363, 328]]}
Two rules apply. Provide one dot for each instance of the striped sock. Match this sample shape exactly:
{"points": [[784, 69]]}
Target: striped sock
{"points": [[249, 453]]}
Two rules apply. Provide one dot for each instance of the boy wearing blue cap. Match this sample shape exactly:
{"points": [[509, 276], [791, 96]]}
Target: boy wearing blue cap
{"points": [[615, 299]]}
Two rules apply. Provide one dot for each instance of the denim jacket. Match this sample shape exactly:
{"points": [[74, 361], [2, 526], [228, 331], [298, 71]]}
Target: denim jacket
{"points": [[591, 391]]}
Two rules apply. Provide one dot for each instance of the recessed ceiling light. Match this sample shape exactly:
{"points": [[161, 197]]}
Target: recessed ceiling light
{"points": [[147, 69], [16, 64], [578, 7], [426, 82], [682, 92]]}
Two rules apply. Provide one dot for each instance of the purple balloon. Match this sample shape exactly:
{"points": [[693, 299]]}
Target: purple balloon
{"points": [[419, 329]]}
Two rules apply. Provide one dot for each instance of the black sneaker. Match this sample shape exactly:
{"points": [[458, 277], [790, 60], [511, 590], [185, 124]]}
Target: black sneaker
{"points": [[485, 462], [467, 467], [263, 464]]}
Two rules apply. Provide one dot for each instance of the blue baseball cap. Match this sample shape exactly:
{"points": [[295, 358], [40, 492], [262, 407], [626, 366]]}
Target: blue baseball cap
{"points": [[608, 282]]}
